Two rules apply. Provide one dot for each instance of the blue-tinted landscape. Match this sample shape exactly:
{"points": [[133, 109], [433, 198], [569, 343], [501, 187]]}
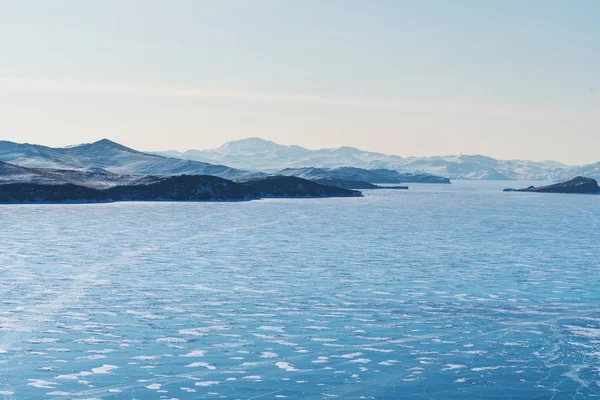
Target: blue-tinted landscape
{"points": [[262, 199], [439, 292]]}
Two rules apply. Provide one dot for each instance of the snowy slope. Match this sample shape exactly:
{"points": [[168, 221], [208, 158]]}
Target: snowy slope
{"points": [[108, 156], [10, 174]]}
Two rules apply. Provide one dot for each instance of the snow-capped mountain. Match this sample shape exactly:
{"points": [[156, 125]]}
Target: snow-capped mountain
{"points": [[264, 155], [108, 156]]}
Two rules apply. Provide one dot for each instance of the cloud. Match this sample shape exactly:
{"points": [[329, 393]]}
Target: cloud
{"points": [[125, 88], [136, 89]]}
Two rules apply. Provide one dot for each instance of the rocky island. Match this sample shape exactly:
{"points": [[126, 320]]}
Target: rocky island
{"points": [[580, 184]]}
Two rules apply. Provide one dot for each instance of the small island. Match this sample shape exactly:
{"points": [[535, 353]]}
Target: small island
{"points": [[580, 185]]}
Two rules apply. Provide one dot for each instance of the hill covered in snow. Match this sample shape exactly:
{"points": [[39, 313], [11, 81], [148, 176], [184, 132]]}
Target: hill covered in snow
{"points": [[106, 156]]}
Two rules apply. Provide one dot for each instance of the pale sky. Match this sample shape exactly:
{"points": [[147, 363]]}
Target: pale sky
{"points": [[503, 78]]}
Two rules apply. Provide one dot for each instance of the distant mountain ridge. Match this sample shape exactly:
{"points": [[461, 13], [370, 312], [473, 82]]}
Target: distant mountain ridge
{"points": [[107, 156], [264, 155], [372, 176]]}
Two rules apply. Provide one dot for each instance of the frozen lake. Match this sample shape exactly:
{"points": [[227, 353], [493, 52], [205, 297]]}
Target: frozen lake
{"points": [[438, 292]]}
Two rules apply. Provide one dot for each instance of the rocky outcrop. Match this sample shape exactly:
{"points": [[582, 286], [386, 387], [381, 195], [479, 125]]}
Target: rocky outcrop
{"points": [[578, 184]]}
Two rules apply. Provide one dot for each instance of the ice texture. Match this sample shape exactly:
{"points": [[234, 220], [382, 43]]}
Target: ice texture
{"points": [[440, 292]]}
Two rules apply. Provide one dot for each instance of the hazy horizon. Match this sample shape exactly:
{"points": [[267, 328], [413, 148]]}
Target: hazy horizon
{"points": [[508, 80]]}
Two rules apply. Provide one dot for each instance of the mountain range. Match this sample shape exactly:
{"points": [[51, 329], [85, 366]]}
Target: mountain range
{"points": [[254, 157], [267, 156], [106, 156], [105, 171], [105, 163]]}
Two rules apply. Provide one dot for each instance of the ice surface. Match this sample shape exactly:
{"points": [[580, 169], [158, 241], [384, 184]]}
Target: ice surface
{"points": [[450, 292]]}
